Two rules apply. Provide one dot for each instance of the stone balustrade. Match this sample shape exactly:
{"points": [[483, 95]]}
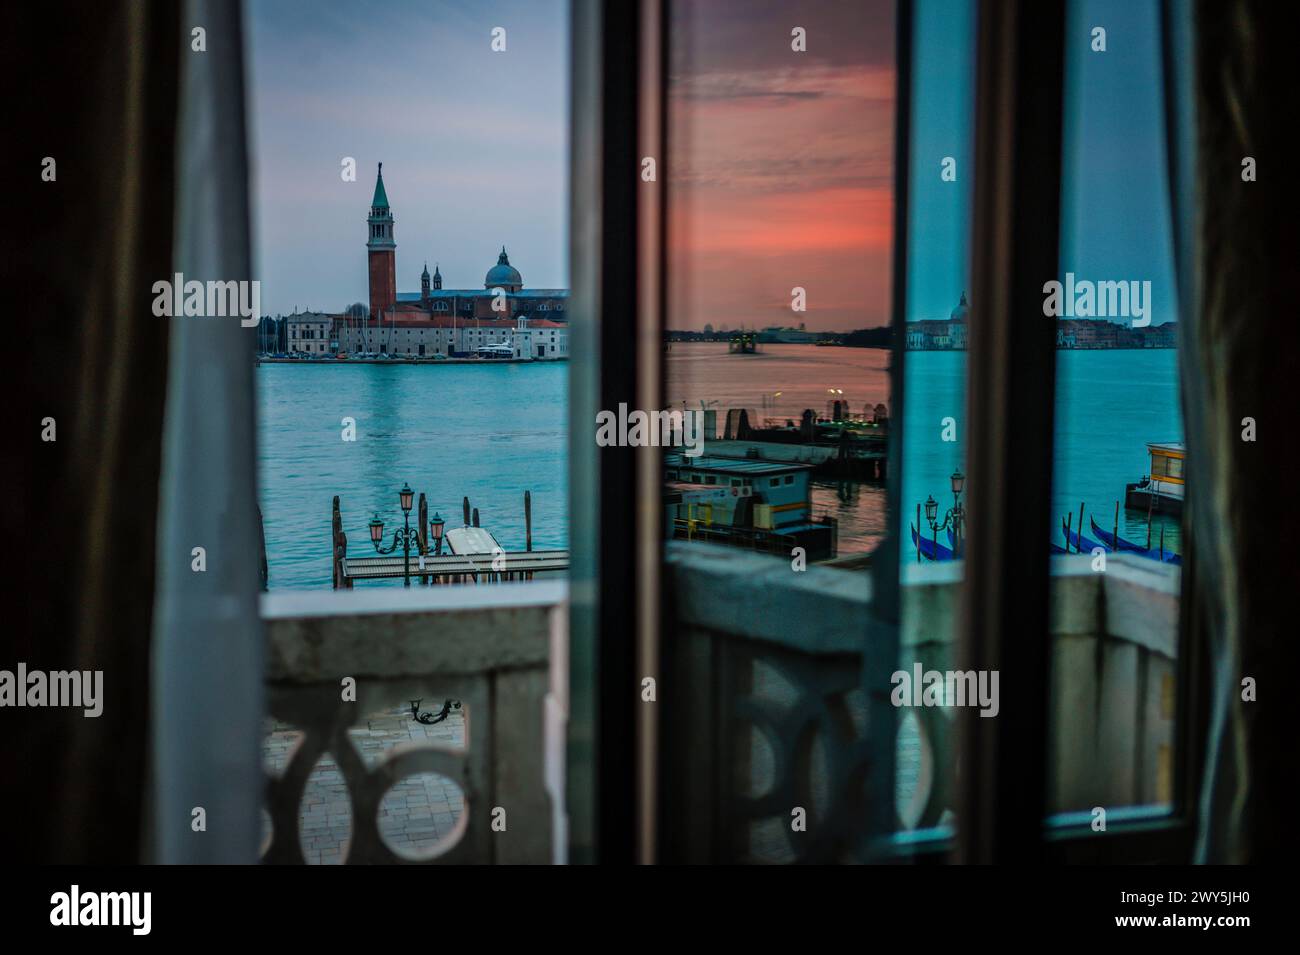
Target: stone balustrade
{"points": [[489, 648], [773, 671]]}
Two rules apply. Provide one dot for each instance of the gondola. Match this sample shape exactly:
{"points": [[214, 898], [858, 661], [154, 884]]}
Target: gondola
{"points": [[946, 553], [1128, 547], [1076, 543], [929, 548]]}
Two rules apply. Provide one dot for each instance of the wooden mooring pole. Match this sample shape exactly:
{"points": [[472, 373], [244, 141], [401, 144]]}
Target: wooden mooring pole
{"points": [[338, 547], [263, 572], [422, 534], [528, 521]]}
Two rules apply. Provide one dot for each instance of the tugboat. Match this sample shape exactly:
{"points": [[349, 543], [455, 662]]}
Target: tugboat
{"points": [[1161, 491]]}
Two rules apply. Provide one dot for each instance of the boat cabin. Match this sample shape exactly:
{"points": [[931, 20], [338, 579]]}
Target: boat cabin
{"points": [[1161, 491], [746, 501]]}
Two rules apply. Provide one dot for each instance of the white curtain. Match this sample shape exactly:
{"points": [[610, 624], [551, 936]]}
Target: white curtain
{"points": [[207, 662]]}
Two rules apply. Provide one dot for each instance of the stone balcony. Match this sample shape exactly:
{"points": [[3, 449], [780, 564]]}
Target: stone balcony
{"points": [[765, 712], [774, 678], [493, 649]]}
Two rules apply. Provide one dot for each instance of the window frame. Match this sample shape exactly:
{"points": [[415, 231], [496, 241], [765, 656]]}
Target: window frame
{"points": [[1018, 125]]}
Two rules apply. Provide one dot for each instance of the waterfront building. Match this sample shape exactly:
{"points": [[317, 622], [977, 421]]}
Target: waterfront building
{"points": [[309, 333], [424, 336], [951, 335], [503, 295], [939, 334], [540, 340], [1102, 333]]}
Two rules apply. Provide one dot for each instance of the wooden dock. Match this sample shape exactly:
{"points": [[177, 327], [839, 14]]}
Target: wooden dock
{"points": [[457, 568], [470, 554]]}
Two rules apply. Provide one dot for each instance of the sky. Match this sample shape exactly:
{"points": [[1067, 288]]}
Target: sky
{"points": [[1114, 203], [474, 143], [781, 163]]}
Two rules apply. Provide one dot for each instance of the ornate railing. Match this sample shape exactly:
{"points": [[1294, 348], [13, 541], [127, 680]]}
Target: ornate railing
{"points": [[773, 671], [489, 650]]}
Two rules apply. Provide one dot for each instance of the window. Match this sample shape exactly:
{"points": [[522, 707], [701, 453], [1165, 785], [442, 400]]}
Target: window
{"points": [[451, 431], [1116, 234]]}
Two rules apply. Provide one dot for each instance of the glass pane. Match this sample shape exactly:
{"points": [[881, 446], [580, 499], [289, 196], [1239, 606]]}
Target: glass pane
{"points": [[932, 520], [1117, 487], [779, 258], [414, 328], [409, 166], [779, 251]]}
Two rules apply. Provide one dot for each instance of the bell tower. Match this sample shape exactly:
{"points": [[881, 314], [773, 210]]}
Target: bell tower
{"points": [[382, 252]]}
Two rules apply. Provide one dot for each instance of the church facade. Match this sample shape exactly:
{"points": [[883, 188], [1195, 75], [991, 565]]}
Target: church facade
{"points": [[449, 321]]}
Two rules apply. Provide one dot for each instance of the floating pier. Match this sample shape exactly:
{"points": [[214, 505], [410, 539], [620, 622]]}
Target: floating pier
{"points": [[469, 554]]}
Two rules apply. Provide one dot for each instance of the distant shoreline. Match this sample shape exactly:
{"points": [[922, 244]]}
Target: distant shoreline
{"points": [[410, 361]]}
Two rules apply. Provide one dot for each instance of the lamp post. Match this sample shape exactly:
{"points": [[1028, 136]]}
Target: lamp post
{"points": [[954, 518], [436, 525], [404, 538]]}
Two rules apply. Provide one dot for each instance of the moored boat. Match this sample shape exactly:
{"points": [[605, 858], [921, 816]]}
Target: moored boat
{"points": [[497, 350], [1161, 491], [1116, 543], [1076, 542], [929, 548], [749, 502]]}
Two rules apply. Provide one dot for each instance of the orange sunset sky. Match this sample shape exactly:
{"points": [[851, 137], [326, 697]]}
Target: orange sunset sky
{"points": [[781, 164]]}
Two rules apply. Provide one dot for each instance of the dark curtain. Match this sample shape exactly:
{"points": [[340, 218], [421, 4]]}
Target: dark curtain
{"points": [[1231, 91], [92, 86]]}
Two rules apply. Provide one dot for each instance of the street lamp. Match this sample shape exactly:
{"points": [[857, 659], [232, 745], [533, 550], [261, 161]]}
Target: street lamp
{"points": [[954, 518], [406, 538], [436, 524]]}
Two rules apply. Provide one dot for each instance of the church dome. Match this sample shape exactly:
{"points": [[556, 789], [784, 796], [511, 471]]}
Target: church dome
{"points": [[503, 275], [960, 312]]}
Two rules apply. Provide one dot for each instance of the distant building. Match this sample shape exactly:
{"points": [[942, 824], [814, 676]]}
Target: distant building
{"points": [[947, 335], [308, 333], [1070, 333], [503, 295], [420, 336], [787, 335], [1100, 333]]}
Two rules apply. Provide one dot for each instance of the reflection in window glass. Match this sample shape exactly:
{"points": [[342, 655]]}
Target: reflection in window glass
{"points": [[779, 258], [779, 232], [931, 524], [1117, 489]]}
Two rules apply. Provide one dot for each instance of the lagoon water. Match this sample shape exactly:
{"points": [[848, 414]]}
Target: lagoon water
{"points": [[493, 431], [490, 432]]}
